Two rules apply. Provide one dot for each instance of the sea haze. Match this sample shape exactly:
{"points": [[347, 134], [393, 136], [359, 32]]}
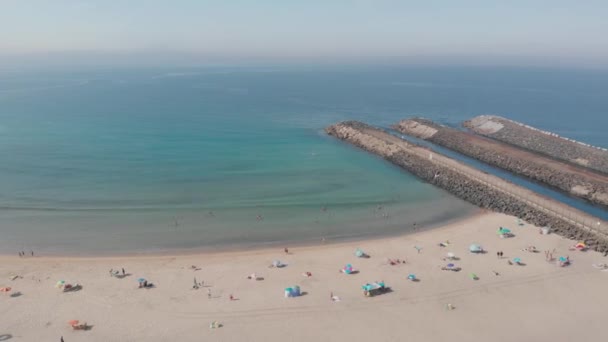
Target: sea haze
{"points": [[147, 160]]}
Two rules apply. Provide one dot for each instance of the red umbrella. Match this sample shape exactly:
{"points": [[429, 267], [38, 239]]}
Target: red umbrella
{"points": [[73, 322], [5, 289]]}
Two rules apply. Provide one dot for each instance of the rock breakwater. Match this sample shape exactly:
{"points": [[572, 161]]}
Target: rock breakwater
{"points": [[416, 160], [568, 178], [540, 141]]}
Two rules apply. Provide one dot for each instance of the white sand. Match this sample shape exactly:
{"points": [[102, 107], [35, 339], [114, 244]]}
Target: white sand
{"points": [[538, 301]]}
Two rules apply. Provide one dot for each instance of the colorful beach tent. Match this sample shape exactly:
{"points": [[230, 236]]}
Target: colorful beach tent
{"points": [[517, 260], [580, 245], [411, 276], [277, 263], [293, 291], [503, 231], [359, 253], [348, 269]]}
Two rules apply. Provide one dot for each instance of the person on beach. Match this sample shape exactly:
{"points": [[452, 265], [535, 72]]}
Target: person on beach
{"points": [[231, 297], [209, 293], [286, 250], [123, 272], [32, 253], [111, 272], [61, 340], [331, 296], [497, 255]]}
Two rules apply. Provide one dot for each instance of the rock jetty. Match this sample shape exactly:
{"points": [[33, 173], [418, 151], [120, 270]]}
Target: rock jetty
{"points": [[540, 141], [419, 161], [571, 179]]}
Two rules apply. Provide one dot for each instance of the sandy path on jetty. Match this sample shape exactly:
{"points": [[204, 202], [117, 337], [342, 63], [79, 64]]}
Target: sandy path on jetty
{"points": [[538, 301]]}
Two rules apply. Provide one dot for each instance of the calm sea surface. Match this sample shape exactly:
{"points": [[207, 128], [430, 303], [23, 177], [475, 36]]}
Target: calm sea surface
{"points": [[147, 160]]}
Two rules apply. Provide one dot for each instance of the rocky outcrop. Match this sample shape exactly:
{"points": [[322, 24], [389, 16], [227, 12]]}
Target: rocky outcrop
{"points": [[568, 178], [539, 141], [457, 183]]}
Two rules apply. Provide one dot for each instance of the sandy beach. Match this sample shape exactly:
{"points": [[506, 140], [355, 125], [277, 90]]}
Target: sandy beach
{"points": [[538, 300]]}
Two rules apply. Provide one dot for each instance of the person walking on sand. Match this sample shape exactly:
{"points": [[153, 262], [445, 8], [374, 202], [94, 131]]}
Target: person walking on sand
{"points": [[61, 340], [286, 250], [209, 293], [123, 272], [32, 253]]}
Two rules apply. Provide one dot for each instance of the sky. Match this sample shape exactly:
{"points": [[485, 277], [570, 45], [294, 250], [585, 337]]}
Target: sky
{"points": [[475, 31]]}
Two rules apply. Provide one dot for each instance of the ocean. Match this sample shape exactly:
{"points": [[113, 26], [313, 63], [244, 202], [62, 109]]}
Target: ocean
{"points": [[144, 160]]}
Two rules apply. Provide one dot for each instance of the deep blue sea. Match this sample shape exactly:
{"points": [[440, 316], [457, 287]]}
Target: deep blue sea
{"points": [[134, 160]]}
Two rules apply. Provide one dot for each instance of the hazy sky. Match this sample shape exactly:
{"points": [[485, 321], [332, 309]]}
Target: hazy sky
{"points": [[527, 30]]}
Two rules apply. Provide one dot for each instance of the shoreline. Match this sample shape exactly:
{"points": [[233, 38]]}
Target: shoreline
{"points": [[259, 248]]}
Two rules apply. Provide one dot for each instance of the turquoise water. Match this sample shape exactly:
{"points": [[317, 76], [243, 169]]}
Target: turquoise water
{"points": [[138, 160]]}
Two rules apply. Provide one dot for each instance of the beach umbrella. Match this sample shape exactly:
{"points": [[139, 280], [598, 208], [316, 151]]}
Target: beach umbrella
{"points": [[516, 260], [451, 265], [581, 245], [359, 253], [60, 283], [276, 263], [5, 289], [141, 280], [475, 248], [451, 255], [411, 276], [563, 259], [73, 322]]}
